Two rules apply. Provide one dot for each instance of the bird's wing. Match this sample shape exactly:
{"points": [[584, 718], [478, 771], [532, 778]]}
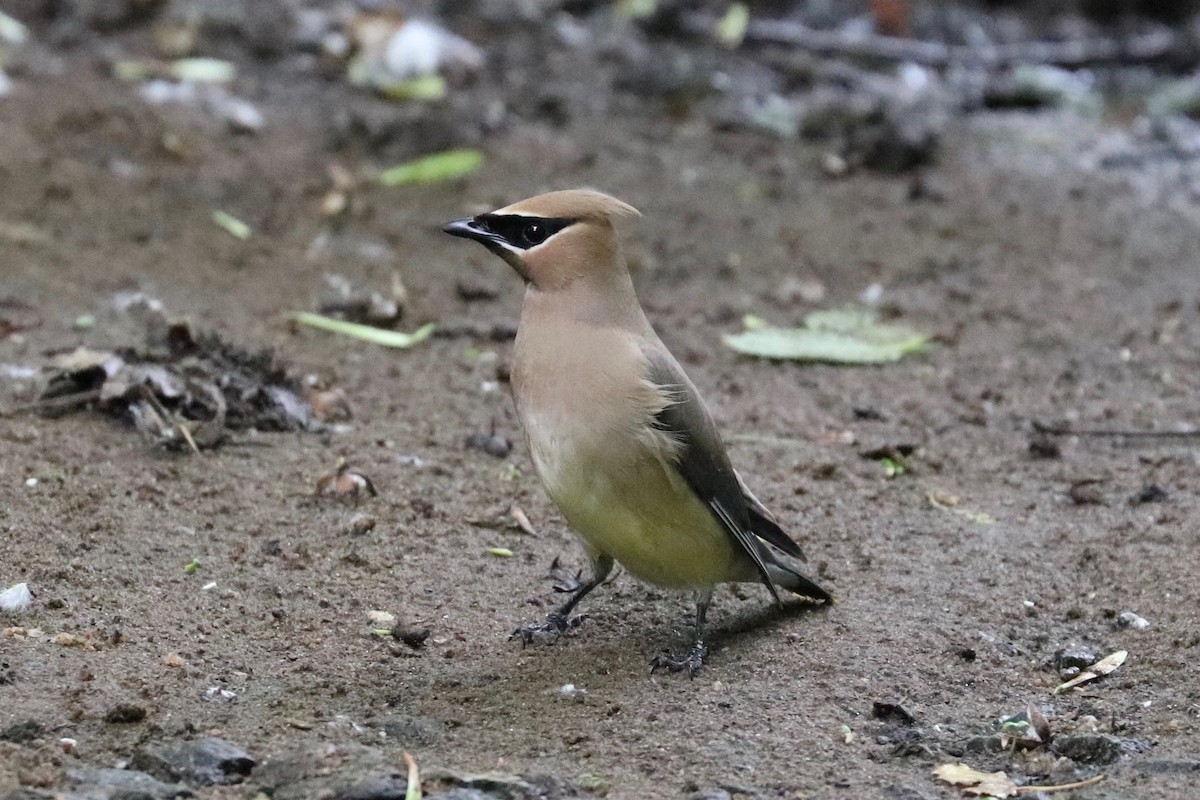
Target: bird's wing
{"points": [[701, 461]]}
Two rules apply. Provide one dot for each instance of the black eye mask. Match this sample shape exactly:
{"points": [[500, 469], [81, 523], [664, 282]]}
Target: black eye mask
{"points": [[521, 232]]}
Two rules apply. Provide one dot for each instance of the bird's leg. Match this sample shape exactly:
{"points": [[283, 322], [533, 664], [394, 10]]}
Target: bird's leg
{"points": [[560, 620], [694, 658]]}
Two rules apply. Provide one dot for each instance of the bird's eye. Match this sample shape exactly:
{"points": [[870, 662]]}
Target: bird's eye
{"points": [[534, 233]]}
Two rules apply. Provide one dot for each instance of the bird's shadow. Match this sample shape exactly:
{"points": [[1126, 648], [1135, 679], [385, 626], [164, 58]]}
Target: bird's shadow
{"points": [[733, 629]]}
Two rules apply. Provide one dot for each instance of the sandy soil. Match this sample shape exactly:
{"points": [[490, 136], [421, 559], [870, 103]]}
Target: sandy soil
{"points": [[1057, 293]]}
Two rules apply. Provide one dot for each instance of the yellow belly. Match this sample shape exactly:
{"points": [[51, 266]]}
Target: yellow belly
{"points": [[629, 505]]}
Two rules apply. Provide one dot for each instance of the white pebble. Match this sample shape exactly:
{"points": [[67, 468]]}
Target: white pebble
{"points": [[16, 598]]}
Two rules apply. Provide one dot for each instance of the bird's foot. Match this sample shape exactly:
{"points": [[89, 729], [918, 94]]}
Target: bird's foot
{"points": [[556, 623], [565, 582], [691, 662]]}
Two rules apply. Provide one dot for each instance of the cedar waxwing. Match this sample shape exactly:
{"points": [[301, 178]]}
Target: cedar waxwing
{"points": [[618, 434]]}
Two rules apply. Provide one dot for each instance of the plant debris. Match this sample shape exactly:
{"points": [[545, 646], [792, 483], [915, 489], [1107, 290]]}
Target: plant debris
{"points": [[412, 790], [346, 301], [17, 316], [431, 169], [848, 336], [974, 783], [184, 389], [231, 225], [345, 483], [367, 333], [1102, 667]]}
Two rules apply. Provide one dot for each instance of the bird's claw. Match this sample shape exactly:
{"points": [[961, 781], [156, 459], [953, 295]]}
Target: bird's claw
{"points": [[556, 624], [691, 662]]}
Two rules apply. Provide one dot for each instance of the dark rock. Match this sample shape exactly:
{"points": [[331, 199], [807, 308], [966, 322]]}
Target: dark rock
{"points": [[22, 732], [899, 792], [498, 786], [460, 793], [411, 636], [1089, 748], [411, 732], [984, 744], [1150, 493], [125, 714], [715, 793], [1086, 493], [1074, 656], [124, 784], [1045, 447], [1168, 766], [901, 735], [380, 787], [491, 443], [892, 711], [201, 762], [475, 289], [318, 770]]}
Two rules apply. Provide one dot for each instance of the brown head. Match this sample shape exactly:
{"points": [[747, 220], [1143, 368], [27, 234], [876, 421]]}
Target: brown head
{"points": [[553, 239]]}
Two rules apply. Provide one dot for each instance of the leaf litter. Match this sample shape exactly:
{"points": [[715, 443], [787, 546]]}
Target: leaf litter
{"points": [[974, 783], [845, 336], [182, 388], [1101, 668]]}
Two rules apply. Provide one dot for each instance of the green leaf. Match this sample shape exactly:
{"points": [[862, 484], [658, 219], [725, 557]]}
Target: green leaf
{"points": [[731, 29], [203, 70], [431, 169], [849, 336], [423, 87], [635, 9], [368, 333], [231, 225]]}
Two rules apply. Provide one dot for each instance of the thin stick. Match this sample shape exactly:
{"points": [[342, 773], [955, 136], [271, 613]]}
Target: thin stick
{"points": [[1052, 430], [78, 398], [188, 436], [1062, 787], [1078, 53]]}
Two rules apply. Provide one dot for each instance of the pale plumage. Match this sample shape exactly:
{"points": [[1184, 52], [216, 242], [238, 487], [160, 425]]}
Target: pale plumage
{"points": [[616, 430]]}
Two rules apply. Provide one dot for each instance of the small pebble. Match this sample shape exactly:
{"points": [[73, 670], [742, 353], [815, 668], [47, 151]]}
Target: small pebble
{"points": [[1128, 619]]}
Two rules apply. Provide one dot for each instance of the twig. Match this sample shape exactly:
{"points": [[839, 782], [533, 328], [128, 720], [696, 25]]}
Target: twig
{"points": [[1140, 48], [1053, 430], [766, 438], [65, 400], [1062, 787]]}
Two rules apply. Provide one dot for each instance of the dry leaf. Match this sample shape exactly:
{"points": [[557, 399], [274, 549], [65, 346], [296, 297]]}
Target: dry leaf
{"points": [[974, 782], [1100, 668]]}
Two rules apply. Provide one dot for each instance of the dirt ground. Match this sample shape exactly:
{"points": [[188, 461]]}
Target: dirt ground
{"points": [[1058, 291]]}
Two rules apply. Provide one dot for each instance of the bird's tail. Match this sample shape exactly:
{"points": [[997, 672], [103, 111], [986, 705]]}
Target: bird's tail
{"points": [[791, 579]]}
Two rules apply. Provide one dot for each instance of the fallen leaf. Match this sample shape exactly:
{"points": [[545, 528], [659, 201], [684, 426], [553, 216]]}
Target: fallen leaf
{"points": [[431, 169], [998, 784], [849, 336], [974, 782], [731, 29], [422, 87], [1102, 667], [231, 225], [368, 333]]}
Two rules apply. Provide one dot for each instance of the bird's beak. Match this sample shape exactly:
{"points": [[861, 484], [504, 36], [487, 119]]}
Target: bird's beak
{"points": [[467, 228]]}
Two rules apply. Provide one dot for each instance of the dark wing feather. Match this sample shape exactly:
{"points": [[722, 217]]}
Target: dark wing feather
{"points": [[764, 525], [704, 466]]}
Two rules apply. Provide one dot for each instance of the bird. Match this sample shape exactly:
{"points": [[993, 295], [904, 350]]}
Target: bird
{"points": [[618, 434]]}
